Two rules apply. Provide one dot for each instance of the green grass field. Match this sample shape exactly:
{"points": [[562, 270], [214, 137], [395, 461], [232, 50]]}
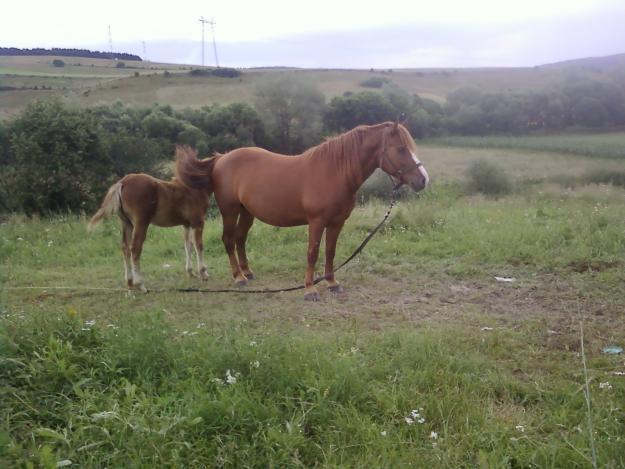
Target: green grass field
{"points": [[426, 360], [606, 145]]}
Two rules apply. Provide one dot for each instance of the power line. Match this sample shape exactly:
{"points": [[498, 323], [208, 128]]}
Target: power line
{"points": [[212, 24]]}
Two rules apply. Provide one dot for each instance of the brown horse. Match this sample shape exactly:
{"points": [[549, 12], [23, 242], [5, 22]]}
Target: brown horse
{"points": [[317, 188], [140, 199]]}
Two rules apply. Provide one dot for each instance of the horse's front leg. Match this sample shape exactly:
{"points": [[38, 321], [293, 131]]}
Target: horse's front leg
{"points": [[315, 231], [332, 235], [187, 251]]}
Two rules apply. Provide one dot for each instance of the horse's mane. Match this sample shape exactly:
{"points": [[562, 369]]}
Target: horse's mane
{"points": [[345, 149]]}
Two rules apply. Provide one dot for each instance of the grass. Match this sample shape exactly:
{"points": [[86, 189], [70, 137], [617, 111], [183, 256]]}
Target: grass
{"points": [[603, 145], [102, 379]]}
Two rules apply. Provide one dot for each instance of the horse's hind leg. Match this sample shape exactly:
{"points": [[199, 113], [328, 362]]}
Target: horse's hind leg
{"points": [[315, 231], [138, 237], [126, 240], [332, 235], [198, 242], [243, 227], [188, 243], [228, 237]]}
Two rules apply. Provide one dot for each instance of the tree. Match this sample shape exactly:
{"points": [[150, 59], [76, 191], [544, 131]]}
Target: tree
{"points": [[292, 110], [57, 160]]}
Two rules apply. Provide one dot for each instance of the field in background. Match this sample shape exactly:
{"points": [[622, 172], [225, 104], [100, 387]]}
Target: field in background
{"points": [[605, 145], [87, 82], [493, 369]]}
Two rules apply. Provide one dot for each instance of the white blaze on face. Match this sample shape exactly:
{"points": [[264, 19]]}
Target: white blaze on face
{"points": [[422, 170]]}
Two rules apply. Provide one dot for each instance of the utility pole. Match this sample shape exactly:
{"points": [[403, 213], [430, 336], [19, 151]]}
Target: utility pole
{"points": [[145, 54], [203, 21], [212, 24], [110, 42]]}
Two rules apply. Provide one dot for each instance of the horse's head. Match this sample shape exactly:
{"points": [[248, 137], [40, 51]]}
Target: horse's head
{"points": [[399, 157]]}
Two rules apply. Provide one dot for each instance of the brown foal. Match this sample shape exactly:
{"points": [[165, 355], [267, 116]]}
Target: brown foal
{"points": [[317, 188], [140, 200]]}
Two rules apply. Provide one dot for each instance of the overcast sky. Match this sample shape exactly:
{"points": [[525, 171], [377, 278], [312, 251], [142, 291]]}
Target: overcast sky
{"points": [[329, 33]]}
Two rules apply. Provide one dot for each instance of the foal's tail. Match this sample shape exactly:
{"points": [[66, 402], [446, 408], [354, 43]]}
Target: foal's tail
{"points": [[110, 206], [197, 174]]}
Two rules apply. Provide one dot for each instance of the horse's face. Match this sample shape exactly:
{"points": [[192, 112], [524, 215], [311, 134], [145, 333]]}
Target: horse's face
{"points": [[399, 159]]}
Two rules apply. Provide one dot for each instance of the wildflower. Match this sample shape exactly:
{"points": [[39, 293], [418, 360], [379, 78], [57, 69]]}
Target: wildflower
{"points": [[605, 385], [408, 420], [520, 428], [415, 415], [200, 324], [107, 414], [619, 373], [64, 463], [50, 243], [486, 328], [217, 381], [383, 433], [20, 239], [166, 266], [354, 349], [253, 343], [88, 325], [255, 364], [434, 435], [230, 379]]}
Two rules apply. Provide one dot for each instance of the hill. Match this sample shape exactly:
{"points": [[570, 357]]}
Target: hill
{"points": [[88, 81]]}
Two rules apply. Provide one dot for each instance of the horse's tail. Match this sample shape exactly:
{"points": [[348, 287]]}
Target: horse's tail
{"points": [[110, 206], [197, 174]]}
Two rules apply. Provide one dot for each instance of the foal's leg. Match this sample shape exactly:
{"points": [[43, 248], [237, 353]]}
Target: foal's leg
{"points": [[228, 237], [138, 237], [198, 242], [243, 227], [315, 231], [187, 251], [126, 240], [332, 234]]}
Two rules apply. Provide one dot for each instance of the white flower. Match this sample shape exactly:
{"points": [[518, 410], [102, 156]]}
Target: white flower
{"points": [[354, 349], [50, 244], [230, 379], [408, 420], [255, 364], [486, 328], [107, 414], [64, 463], [200, 324], [166, 266], [253, 343], [619, 373], [89, 325], [605, 385], [217, 381], [383, 433], [520, 428], [434, 435], [20, 239]]}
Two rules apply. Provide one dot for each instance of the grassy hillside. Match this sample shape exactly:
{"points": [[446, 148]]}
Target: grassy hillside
{"points": [[91, 81]]}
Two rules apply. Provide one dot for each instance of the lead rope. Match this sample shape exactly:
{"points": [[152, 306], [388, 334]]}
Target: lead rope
{"points": [[357, 251]]}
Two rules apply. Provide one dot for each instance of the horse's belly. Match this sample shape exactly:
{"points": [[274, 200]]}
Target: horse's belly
{"points": [[276, 213]]}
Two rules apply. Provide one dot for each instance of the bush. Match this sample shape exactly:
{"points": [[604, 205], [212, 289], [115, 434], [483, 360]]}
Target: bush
{"points": [[606, 176], [58, 63], [226, 72], [374, 82], [488, 178], [120, 65], [57, 160], [200, 72]]}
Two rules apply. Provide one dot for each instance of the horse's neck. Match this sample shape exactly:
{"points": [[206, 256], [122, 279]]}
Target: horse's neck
{"points": [[368, 157]]}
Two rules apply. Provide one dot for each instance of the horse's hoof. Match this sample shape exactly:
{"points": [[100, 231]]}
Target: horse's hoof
{"points": [[241, 283], [205, 277], [141, 288], [250, 276], [191, 274], [336, 289], [312, 296]]}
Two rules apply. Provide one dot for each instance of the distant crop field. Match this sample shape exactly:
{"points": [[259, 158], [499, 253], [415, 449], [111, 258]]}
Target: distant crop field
{"points": [[606, 145]]}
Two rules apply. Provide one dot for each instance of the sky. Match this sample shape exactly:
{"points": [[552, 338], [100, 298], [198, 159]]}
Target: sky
{"points": [[328, 33]]}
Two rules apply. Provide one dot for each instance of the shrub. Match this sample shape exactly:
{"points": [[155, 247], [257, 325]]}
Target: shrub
{"points": [[488, 178], [58, 63], [606, 176], [226, 72], [374, 82], [120, 65], [199, 72]]}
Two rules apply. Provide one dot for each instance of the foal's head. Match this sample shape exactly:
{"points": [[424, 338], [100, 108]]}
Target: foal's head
{"points": [[399, 157]]}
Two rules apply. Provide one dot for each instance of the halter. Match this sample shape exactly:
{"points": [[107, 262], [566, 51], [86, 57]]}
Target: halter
{"points": [[396, 173]]}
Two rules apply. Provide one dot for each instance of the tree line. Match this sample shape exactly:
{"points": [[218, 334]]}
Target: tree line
{"points": [[85, 53], [54, 157]]}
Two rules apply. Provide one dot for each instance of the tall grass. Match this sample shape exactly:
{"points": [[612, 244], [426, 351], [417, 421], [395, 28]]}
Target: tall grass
{"points": [[142, 394]]}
